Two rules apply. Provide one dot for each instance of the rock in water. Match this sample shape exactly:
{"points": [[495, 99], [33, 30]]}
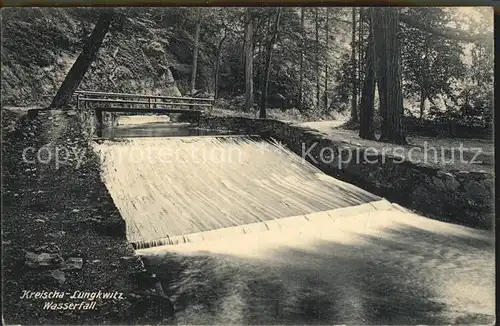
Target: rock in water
{"points": [[43, 260], [59, 276], [73, 263]]}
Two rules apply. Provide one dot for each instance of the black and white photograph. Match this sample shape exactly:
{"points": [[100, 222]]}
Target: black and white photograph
{"points": [[247, 164]]}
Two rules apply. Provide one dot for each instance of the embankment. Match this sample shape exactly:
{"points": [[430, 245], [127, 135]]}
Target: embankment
{"points": [[140, 54], [462, 197], [62, 232]]}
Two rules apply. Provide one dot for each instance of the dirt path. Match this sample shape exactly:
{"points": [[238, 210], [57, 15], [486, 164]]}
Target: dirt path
{"points": [[441, 152]]}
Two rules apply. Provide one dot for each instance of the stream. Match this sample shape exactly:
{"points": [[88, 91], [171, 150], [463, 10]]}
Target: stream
{"points": [[383, 267], [158, 129]]}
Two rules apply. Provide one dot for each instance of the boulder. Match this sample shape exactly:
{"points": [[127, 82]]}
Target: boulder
{"points": [[59, 276], [73, 263]]}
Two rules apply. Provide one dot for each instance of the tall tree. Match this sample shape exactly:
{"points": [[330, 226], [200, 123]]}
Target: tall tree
{"points": [[84, 60], [316, 52], [327, 32], [423, 80], [260, 44], [360, 51], [302, 49], [354, 80], [195, 49], [270, 46], [218, 62], [366, 130], [385, 33], [248, 52], [388, 63]]}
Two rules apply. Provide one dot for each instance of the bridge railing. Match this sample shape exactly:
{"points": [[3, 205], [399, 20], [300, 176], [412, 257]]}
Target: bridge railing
{"points": [[136, 101]]}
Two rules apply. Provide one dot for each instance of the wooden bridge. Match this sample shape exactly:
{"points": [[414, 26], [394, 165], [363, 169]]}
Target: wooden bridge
{"points": [[139, 103]]}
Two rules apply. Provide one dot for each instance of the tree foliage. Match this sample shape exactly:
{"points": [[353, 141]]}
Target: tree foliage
{"points": [[445, 62], [431, 64], [446, 54]]}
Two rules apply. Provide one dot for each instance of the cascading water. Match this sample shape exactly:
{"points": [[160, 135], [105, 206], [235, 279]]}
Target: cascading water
{"points": [[242, 231]]}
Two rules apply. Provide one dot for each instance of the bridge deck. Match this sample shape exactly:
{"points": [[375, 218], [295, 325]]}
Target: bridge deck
{"points": [[153, 103], [148, 110], [129, 95], [168, 187], [99, 100]]}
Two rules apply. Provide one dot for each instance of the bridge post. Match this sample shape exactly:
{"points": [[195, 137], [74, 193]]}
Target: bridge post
{"points": [[98, 114], [199, 119]]}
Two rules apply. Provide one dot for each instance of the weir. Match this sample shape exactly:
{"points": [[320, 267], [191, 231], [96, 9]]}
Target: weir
{"points": [[240, 230], [173, 190]]}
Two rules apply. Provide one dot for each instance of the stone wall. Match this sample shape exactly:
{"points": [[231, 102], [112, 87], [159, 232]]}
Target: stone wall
{"points": [[455, 196]]}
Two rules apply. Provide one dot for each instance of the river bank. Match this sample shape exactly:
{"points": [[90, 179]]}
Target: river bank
{"points": [[62, 233]]}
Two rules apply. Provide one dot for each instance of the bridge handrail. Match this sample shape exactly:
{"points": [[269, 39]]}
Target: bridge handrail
{"points": [[143, 96], [106, 100], [139, 110]]}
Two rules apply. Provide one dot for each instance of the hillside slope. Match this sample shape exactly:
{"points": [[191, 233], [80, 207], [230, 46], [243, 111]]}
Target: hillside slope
{"points": [[39, 46]]}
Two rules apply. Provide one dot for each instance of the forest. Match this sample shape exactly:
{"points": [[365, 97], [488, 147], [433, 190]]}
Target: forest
{"points": [[387, 69]]}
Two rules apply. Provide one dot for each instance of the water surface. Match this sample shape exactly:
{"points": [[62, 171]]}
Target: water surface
{"points": [[166, 129]]}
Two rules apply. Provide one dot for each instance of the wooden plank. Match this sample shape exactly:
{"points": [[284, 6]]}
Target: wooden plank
{"points": [[145, 96], [152, 110], [96, 100]]}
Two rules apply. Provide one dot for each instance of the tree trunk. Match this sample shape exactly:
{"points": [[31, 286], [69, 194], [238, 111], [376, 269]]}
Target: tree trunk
{"points": [[83, 62], [388, 55], [216, 79], [248, 49], [379, 25], [262, 65], [270, 46], [354, 98], [422, 103], [317, 56], [217, 64], [301, 70], [195, 50], [327, 30], [366, 130], [360, 52], [423, 80]]}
